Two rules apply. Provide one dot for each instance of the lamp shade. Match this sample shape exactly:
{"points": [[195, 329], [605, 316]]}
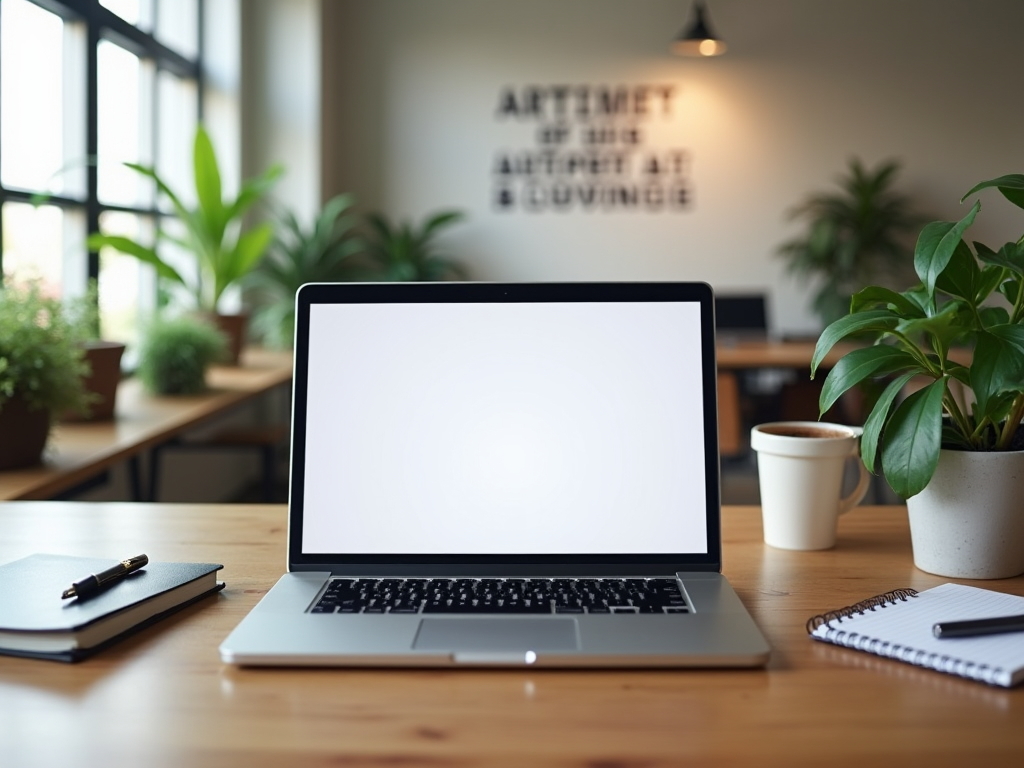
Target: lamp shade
{"points": [[697, 39]]}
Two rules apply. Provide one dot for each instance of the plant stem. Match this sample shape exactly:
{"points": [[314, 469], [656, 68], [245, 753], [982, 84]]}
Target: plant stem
{"points": [[1012, 423], [915, 351], [953, 409]]}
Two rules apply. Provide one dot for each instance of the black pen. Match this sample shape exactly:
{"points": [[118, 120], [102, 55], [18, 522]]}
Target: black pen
{"points": [[979, 627], [96, 582]]}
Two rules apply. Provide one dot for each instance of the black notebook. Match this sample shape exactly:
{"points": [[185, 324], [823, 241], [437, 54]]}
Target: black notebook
{"points": [[36, 622], [898, 625]]}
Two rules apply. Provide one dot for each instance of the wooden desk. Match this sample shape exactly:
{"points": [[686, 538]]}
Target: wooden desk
{"points": [[776, 354], [79, 451], [163, 698], [799, 399]]}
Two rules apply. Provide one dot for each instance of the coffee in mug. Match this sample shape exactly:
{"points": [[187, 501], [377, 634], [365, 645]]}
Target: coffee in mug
{"points": [[800, 467]]}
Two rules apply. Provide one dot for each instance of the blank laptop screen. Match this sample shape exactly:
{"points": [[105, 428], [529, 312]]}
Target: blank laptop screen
{"points": [[568, 428]]}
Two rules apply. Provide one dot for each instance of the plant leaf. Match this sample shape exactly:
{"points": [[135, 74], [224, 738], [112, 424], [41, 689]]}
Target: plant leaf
{"points": [[860, 364], [1010, 185], [874, 296], [208, 185], [1010, 256], [962, 276], [877, 418], [954, 320], [872, 320], [247, 251], [912, 439], [998, 364], [935, 246], [139, 251]]}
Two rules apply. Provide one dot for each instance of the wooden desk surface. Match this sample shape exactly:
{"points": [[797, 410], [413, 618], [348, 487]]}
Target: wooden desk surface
{"points": [[78, 451], [163, 698], [775, 354]]}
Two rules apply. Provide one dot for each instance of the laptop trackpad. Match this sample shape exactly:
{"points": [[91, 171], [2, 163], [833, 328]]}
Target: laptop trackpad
{"points": [[482, 635]]}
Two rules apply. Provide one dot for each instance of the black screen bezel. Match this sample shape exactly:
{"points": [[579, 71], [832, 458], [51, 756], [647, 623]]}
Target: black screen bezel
{"points": [[468, 292]]}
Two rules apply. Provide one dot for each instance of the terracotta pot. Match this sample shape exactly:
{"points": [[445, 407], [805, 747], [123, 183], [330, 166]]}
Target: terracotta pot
{"points": [[104, 359], [968, 522], [23, 434], [234, 327]]}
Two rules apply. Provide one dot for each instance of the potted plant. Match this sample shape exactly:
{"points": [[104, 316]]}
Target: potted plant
{"points": [[102, 356], [225, 249], [407, 253], [175, 354], [326, 252], [854, 236], [41, 371], [955, 447]]}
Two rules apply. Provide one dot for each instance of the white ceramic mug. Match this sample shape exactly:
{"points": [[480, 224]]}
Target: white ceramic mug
{"points": [[800, 468]]}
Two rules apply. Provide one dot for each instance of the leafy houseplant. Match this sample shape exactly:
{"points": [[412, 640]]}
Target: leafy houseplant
{"points": [[103, 358], [854, 236], [225, 249], [918, 332], [175, 354], [326, 252], [41, 370], [407, 253]]}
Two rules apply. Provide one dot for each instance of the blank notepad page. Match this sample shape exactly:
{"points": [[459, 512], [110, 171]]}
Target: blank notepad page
{"points": [[901, 628]]}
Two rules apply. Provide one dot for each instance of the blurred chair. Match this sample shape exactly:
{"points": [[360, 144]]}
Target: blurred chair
{"points": [[740, 316]]}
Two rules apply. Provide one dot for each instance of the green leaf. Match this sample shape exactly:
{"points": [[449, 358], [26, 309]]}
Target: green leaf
{"points": [[962, 276], [876, 419], [1011, 186], [1010, 256], [860, 364], [874, 296], [247, 251], [946, 326], [208, 185], [998, 364], [993, 316], [179, 207], [141, 252], [252, 190], [860, 322], [935, 247], [912, 439]]}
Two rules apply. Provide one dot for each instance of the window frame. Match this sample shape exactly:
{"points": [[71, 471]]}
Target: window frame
{"points": [[100, 23]]}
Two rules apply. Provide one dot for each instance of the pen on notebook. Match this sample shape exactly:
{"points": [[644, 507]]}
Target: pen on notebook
{"points": [[96, 582], [979, 627]]}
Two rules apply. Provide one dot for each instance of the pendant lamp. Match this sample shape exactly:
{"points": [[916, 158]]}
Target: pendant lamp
{"points": [[697, 39]]}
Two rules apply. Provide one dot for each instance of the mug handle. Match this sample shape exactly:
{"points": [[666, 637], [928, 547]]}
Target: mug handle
{"points": [[851, 501]]}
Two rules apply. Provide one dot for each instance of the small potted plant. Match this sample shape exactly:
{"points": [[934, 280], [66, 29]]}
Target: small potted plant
{"points": [[175, 354], [855, 234], [327, 251], [41, 371], [102, 356], [404, 252], [224, 248], [955, 447]]}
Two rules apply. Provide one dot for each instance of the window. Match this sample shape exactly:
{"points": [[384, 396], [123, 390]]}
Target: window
{"points": [[85, 86]]}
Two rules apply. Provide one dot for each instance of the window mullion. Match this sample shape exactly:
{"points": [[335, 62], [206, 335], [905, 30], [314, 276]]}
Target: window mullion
{"points": [[92, 141]]}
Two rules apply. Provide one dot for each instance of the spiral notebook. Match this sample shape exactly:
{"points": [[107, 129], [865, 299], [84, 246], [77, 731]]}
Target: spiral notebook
{"points": [[898, 625]]}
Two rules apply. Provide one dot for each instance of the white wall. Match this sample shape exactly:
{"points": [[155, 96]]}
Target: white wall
{"points": [[410, 90], [281, 97]]}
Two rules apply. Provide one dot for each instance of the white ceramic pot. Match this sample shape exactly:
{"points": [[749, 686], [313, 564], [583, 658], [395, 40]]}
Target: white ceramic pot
{"points": [[968, 523]]}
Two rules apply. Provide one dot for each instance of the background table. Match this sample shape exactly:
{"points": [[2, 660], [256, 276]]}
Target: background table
{"points": [[163, 698], [78, 451]]}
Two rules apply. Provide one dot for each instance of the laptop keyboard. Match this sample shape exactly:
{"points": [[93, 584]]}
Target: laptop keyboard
{"points": [[570, 596]]}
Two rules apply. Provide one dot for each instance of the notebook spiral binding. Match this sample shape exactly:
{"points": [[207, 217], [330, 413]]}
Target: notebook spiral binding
{"points": [[872, 603]]}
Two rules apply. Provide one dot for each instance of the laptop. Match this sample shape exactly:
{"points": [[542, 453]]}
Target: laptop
{"points": [[491, 474]]}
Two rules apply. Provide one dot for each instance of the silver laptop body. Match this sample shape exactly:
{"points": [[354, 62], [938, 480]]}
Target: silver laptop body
{"points": [[503, 434]]}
